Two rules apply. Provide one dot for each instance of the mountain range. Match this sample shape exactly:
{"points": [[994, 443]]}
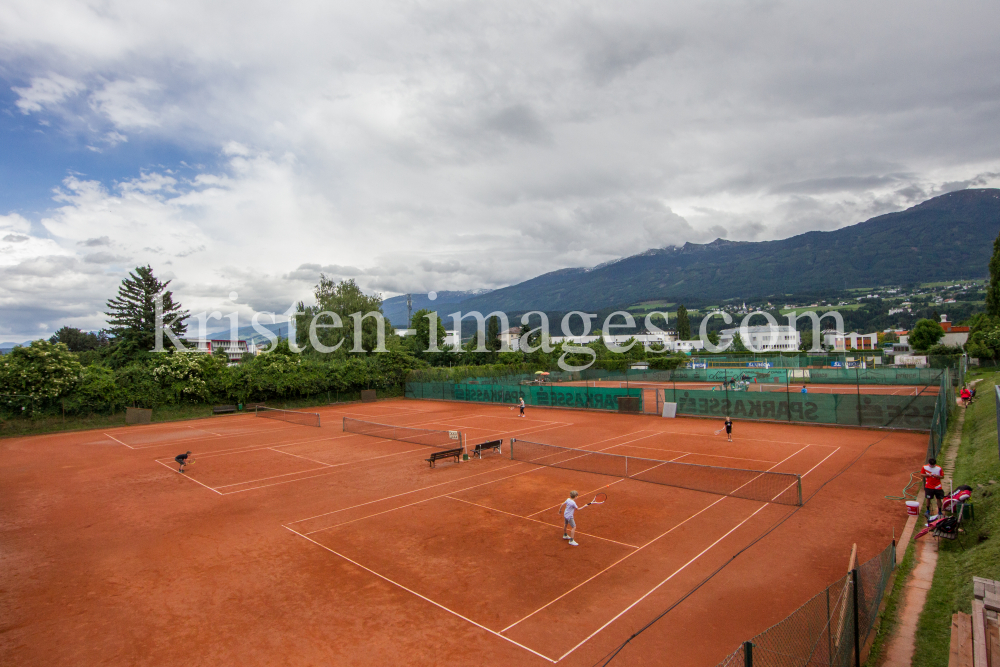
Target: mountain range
{"points": [[949, 237]]}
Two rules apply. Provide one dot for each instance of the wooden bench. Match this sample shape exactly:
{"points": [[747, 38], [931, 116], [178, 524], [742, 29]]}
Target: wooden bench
{"points": [[222, 409], [445, 454], [492, 444]]}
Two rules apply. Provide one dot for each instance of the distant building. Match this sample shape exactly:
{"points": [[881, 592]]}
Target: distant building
{"points": [[953, 336], [511, 338], [234, 349], [764, 338], [840, 342]]}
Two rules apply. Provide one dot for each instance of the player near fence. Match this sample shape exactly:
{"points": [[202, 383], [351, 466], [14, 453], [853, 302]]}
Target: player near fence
{"points": [[729, 428], [182, 460], [520, 405], [932, 485]]}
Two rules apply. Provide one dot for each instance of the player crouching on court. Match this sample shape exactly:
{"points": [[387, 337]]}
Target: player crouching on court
{"points": [[182, 460], [569, 528]]}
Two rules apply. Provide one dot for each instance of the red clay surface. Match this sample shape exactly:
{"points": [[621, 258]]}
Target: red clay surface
{"points": [[292, 545]]}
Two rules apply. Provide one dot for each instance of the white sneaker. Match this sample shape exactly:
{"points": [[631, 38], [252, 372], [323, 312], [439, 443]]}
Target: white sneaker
{"points": [[574, 543], [566, 537]]}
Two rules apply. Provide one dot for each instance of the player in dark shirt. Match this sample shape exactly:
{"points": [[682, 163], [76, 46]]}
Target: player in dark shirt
{"points": [[182, 460]]}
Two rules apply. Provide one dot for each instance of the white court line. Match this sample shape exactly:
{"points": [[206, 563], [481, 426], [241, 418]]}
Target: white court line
{"points": [[304, 458], [204, 431], [409, 451], [672, 575], [119, 441], [186, 441], [536, 421], [718, 456], [544, 523], [254, 448], [742, 439], [686, 564], [326, 466], [425, 500], [187, 477], [640, 549], [426, 599], [615, 482], [534, 469]]}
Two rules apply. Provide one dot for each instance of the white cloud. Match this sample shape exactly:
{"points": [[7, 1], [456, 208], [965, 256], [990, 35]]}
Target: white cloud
{"points": [[45, 91], [456, 146]]}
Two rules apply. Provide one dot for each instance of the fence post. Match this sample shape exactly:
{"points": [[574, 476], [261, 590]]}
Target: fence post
{"points": [[829, 630], [857, 385], [748, 654], [857, 626]]}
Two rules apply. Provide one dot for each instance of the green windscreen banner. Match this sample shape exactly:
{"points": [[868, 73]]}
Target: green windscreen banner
{"points": [[594, 398], [914, 412]]}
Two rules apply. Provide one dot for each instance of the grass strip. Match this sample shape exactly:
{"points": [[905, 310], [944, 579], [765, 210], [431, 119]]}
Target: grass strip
{"points": [[978, 551]]}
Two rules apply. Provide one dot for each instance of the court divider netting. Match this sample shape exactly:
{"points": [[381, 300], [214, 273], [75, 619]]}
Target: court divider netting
{"points": [[417, 436], [290, 416], [770, 487]]}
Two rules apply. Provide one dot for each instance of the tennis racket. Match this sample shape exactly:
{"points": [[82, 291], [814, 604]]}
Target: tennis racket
{"points": [[598, 499], [718, 432]]}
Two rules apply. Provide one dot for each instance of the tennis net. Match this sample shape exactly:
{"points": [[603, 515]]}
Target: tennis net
{"points": [[290, 416], [771, 487], [417, 436]]}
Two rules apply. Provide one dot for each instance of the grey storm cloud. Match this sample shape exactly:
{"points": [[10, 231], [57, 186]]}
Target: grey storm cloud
{"points": [[418, 147]]}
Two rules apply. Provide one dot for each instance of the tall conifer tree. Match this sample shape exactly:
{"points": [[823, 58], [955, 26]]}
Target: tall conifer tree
{"points": [[132, 314]]}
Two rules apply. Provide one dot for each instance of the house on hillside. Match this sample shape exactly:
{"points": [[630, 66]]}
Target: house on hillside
{"points": [[511, 338], [839, 342], [953, 336]]}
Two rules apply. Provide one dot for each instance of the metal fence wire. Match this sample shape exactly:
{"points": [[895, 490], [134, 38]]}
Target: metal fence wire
{"points": [[831, 629], [942, 409]]}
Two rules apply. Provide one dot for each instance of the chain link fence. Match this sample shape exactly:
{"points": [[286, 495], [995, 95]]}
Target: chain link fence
{"points": [[831, 629]]}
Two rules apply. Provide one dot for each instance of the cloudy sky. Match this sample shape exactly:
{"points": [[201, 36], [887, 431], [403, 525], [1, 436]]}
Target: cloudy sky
{"points": [[247, 146]]}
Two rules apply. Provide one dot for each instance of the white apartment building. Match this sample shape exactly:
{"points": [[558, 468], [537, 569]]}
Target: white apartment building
{"points": [[764, 338], [234, 349]]}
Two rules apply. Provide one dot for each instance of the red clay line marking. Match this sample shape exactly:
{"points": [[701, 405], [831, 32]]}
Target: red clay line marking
{"points": [[544, 523], [302, 472], [187, 477], [119, 441], [422, 597]]}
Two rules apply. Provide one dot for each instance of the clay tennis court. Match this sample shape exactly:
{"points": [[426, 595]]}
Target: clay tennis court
{"points": [[289, 544]]}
